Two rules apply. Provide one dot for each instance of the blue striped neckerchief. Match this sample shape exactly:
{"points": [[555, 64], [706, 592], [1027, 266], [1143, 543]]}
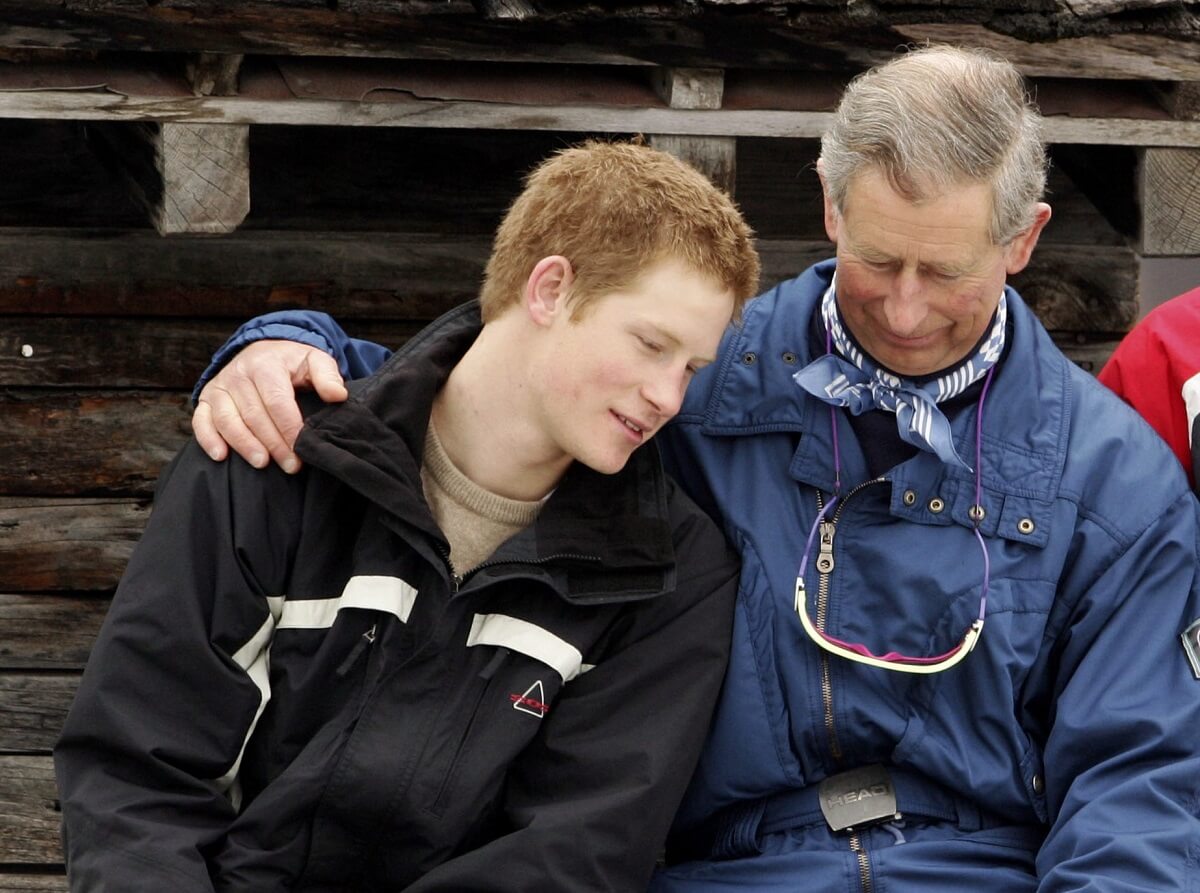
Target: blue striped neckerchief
{"points": [[861, 385]]}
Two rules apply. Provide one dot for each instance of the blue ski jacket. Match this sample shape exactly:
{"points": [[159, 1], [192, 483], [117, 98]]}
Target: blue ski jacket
{"points": [[1062, 754]]}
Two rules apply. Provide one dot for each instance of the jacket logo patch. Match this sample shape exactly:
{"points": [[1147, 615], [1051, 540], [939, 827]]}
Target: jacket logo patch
{"points": [[533, 701], [1191, 646]]}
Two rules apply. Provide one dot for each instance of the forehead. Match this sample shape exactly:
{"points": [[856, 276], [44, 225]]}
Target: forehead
{"points": [[669, 295], [956, 223]]}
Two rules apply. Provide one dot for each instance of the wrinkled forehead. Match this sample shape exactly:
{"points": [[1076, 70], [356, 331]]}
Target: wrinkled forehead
{"points": [[956, 220]]}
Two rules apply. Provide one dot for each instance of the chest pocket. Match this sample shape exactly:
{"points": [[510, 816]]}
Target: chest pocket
{"points": [[517, 670]]}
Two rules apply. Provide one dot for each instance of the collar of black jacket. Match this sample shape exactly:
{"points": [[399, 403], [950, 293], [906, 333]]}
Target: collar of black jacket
{"points": [[601, 538]]}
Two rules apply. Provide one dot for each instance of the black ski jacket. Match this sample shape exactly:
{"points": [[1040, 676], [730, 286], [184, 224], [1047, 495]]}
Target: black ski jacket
{"points": [[293, 691]]}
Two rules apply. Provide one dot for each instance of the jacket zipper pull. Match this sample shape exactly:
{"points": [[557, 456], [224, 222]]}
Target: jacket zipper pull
{"points": [[825, 557], [494, 664], [367, 639]]}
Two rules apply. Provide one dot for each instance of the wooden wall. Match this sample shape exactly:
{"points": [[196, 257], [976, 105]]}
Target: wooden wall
{"points": [[105, 323]]}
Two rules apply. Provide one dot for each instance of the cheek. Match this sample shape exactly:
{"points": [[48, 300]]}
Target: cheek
{"points": [[857, 286], [970, 304]]}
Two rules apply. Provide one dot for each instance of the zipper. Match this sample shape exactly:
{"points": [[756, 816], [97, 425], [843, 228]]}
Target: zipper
{"points": [[825, 565], [486, 674], [460, 579], [864, 862], [365, 641]]}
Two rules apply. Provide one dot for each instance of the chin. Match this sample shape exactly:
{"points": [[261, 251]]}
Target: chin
{"points": [[604, 464]]}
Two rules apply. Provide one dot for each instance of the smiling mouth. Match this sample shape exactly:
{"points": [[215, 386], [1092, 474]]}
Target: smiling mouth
{"points": [[630, 424]]}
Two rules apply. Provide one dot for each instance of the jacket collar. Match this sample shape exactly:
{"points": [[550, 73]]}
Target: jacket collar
{"points": [[600, 538], [1026, 418]]}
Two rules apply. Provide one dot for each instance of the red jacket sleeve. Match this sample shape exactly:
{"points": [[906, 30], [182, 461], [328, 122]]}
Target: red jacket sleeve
{"points": [[1157, 366]]}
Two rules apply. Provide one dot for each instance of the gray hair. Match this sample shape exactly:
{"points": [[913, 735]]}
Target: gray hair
{"points": [[939, 117]]}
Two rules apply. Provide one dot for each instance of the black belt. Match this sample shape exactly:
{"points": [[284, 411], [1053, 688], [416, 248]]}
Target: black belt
{"points": [[736, 831]]}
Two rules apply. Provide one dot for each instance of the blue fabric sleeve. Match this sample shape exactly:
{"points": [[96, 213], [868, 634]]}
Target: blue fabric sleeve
{"points": [[355, 358]]}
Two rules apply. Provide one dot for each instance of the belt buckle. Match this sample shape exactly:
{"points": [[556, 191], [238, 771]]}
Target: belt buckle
{"points": [[858, 798]]}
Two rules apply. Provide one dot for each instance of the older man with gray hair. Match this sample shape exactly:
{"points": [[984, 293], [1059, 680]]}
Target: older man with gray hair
{"points": [[965, 653]]}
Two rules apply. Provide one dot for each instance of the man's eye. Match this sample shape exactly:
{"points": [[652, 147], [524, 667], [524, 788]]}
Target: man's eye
{"points": [[650, 345]]}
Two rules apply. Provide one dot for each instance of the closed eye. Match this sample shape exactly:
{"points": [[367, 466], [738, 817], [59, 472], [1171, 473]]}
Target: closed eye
{"points": [[651, 346]]}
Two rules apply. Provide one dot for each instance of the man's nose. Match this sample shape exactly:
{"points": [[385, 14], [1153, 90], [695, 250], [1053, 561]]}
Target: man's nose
{"points": [[905, 305]]}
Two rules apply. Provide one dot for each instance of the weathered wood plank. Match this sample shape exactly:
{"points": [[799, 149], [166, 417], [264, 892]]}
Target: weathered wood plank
{"points": [[214, 74], [190, 178], [122, 272], [205, 171], [95, 106], [32, 883], [748, 33], [690, 88], [29, 815], [713, 156], [697, 88], [38, 351], [1182, 100], [1080, 288], [32, 710], [103, 352], [48, 632], [72, 544], [1097, 56], [1169, 189], [95, 442]]}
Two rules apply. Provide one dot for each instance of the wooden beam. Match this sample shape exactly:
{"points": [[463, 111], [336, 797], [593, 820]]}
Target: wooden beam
{"points": [[29, 815], [214, 74], [1169, 194], [1153, 39], [190, 177], [1112, 55], [690, 88], [134, 273], [54, 352], [21, 882], [48, 632], [508, 9], [713, 156], [72, 544], [125, 438], [32, 709], [1181, 100], [697, 88], [57, 105]]}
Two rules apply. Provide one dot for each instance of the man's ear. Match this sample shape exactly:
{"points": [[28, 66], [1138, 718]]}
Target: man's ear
{"points": [[832, 218], [1018, 251], [547, 289]]}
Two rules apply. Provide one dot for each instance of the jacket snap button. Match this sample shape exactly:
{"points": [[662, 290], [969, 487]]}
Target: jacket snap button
{"points": [[1038, 785], [749, 357], [936, 505], [1025, 525], [789, 358], [910, 497]]}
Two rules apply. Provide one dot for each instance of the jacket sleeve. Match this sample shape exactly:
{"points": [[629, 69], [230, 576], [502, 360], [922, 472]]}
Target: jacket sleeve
{"points": [[1151, 367], [355, 358], [1122, 756], [147, 759], [588, 804]]}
